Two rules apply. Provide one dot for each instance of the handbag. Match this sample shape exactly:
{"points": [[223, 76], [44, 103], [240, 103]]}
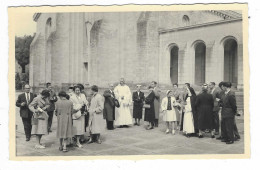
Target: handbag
{"points": [[116, 103], [76, 115], [147, 106], [34, 120]]}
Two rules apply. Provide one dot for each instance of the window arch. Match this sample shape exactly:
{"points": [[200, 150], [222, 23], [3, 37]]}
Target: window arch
{"points": [[185, 20], [174, 57]]}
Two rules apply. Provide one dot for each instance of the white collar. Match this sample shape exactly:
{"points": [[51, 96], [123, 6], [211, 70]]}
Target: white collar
{"points": [[228, 90]]}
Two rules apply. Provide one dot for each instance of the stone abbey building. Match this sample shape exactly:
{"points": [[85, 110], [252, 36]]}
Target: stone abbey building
{"points": [[168, 47]]}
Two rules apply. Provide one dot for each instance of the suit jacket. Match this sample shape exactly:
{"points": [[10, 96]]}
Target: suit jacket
{"points": [[229, 108], [109, 105], [24, 110], [215, 93], [138, 100], [156, 102], [52, 99]]}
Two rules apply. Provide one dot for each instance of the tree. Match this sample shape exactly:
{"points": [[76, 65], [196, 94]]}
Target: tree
{"points": [[22, 50]]}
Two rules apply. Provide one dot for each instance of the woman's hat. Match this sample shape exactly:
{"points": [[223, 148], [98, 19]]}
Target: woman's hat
{"points": [[168, 91]]}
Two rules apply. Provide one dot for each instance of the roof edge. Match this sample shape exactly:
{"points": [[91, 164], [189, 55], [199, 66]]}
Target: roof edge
{"points": [[36, 16]]}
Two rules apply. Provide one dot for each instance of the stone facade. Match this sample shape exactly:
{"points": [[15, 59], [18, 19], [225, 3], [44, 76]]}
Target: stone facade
{"points": [[99, 48]]}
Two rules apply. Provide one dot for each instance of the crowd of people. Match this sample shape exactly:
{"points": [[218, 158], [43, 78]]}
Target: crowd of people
{"points": [[78, 113]]}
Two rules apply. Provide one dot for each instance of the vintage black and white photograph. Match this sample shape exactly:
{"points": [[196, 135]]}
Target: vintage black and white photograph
{"points": [[126, 83]]}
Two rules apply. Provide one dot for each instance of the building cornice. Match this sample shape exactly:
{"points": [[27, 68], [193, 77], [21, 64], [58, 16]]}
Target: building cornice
{"points": [[162, 31], [36, 16]]}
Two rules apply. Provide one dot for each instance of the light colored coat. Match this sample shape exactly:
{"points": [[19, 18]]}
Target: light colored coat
{"points": [[40, 126], [64, 109], [170, 115], [96, 121]]}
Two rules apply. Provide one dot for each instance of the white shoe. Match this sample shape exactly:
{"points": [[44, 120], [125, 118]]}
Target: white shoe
{"points": [[79, 145], [173, 132], [39, 147], [167, 131]]}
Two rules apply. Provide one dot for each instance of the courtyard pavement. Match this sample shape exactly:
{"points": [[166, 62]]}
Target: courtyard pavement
{"points": [[134, 140]]}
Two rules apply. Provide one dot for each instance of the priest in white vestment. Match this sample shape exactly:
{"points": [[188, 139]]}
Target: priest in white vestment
{"points": [[124, 96]]}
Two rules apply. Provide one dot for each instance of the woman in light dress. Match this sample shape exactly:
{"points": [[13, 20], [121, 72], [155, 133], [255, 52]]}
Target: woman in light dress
{"points": [[80, 105], [38, 106], [188, 121], [169, 113]]}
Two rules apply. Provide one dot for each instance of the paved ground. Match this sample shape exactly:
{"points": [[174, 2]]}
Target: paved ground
{"points": [[130, 141]]}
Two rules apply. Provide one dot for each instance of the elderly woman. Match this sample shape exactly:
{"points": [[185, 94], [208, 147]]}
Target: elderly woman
{"points": [[149, 114], [64, 110], [80, 105], [169, 112], [39, 106]]}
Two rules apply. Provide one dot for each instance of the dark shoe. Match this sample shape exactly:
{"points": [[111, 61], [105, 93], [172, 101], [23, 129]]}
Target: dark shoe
{"points": [[138, 124], [219, 138], [212, 136], [27, 139], [135, 124], [230, 142], [187, 135], [236, 139], [111, 129], [121, 126], [201, 136], [126, 126]]}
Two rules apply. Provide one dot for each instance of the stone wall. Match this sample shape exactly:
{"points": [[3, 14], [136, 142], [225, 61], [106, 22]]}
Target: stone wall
{"points": [[99, 49], [212, 36]]}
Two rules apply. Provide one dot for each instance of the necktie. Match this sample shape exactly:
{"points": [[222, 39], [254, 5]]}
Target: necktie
{"points": [[27, 98]]}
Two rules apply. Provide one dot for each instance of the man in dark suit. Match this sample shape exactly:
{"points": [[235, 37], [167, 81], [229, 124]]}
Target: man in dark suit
{"points": [[215, 92], [138, 98], [109, 107], [23, 102], [229, 110], [53, 98]]}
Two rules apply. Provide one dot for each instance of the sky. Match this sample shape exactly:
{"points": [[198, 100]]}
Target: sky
{"points": [[24, 24]]}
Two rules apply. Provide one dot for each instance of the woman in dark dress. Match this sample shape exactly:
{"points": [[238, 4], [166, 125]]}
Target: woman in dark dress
{"points": [[149, 115], [138, 98], [204, 106]]}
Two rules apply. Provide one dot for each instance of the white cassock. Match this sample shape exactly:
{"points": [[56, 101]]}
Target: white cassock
{"points": [[122, 114]]}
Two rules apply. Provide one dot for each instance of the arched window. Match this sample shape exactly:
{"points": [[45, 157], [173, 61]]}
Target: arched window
{"points": [[230, 61], [200, 62], [185, 20], [174, 64]]}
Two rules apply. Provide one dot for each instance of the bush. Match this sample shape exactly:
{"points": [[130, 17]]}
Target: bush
{"points": [[18, 83]]}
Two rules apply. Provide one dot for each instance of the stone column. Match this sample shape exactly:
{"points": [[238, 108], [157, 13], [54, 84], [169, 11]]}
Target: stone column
{"points": [[209, 62], [181, 62], [240, 83]]}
